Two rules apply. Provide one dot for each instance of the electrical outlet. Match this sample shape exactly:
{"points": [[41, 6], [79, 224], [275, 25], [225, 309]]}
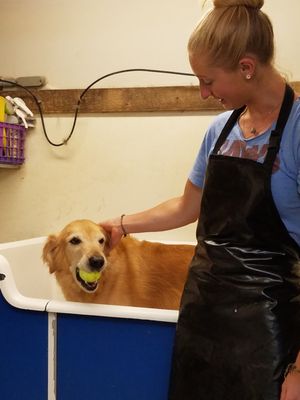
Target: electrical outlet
{"points": [[31, 81]]}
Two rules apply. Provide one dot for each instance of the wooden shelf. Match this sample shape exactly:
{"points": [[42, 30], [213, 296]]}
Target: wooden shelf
{"points": [[122, 100]]}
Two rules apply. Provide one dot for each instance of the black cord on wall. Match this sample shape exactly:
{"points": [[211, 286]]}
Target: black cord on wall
{"points": [[39, 102]]}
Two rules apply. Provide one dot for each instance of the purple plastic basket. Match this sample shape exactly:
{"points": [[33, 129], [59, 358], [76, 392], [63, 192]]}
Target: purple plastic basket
{"points": [[12, 142]]}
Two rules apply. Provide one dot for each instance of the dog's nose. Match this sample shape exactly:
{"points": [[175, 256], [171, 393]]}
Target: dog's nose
{"points": [[96, 263]]}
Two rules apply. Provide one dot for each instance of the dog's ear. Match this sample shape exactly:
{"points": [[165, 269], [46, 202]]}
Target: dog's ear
{"points": [[107, 240], [48, 252]]}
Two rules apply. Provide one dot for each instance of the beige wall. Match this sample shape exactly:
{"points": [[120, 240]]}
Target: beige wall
{"points": [[114, 163]]}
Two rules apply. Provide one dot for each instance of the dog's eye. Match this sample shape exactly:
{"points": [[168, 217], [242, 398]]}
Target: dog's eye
{"points": [[75, 240], [101, 241]]}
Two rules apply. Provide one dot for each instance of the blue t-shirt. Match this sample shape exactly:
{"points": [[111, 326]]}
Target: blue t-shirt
{"points": [[285, 182]]}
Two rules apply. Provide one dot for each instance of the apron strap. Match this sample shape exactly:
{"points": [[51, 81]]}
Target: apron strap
{"points": [[227, 128], [276, 134]]}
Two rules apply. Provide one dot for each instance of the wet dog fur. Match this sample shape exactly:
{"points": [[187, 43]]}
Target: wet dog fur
{"points": [[134, 273]]}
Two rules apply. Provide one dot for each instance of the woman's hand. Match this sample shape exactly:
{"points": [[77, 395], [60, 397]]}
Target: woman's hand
{"points": [[290, 389], [114, 230]]}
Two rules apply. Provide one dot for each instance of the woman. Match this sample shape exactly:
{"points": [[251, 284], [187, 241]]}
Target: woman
{"points": [[239, 322]]}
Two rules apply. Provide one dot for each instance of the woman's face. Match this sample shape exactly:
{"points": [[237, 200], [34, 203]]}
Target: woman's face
{"points": [[227, 86]]}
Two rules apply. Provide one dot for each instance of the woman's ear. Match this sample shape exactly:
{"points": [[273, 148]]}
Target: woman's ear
{"points": [[247, 67]]}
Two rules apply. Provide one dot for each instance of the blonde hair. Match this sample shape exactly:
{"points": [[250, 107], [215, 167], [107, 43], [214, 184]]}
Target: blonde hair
{"points": [[232, 29]]}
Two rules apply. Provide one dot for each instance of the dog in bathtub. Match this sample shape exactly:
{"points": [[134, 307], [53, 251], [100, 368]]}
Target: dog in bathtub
{"points": [[135, 273]]}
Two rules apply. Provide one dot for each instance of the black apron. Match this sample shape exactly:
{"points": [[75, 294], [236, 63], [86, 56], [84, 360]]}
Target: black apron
{"points": [[239, 320]]}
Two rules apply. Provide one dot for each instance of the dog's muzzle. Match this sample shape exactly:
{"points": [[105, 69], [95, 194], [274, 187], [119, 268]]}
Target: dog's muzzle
{"points": [[89, 277], [96, 263]]}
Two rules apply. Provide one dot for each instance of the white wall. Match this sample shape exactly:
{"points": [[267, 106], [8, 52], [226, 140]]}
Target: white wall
{"points": [[114, 163]]}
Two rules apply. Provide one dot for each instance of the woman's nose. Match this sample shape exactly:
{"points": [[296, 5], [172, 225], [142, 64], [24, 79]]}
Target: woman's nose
{"points": [[205, 92]]}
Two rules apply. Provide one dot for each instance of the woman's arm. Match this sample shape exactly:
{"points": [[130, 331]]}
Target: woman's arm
{"points": [[291, 386], [170, 214]]}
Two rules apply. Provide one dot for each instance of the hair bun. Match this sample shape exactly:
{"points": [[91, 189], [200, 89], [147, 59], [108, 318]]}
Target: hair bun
{"points": [[234, 3]]}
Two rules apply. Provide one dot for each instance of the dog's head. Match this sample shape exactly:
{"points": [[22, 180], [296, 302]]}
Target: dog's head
{"points": [[80, 249]]}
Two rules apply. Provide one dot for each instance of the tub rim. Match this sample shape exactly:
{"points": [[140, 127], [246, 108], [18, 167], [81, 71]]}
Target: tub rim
{"points": [[16, 299]]}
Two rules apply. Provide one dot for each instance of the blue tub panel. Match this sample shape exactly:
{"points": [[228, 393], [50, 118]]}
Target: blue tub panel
{"points": [[112, 359], [23, 353]]}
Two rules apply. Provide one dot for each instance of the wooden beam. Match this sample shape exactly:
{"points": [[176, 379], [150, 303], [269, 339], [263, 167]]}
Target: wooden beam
{"points": [[118, 100], [121, 100]]}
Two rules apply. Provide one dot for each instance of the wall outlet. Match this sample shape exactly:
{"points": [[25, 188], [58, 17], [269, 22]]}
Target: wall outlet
{"points": [[31, 81]]}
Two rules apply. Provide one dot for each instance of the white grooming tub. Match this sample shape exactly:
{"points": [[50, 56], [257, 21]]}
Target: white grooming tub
{"points": [[56, 349]]}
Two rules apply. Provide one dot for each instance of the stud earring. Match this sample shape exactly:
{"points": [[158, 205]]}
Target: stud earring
{"points": [[248, 76]]}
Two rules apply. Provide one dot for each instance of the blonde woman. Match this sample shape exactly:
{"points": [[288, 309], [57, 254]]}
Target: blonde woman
{"points": [[238, 333]]}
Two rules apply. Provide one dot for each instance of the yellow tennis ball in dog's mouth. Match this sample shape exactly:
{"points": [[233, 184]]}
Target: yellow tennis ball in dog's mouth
{"points": [[89, 276]]}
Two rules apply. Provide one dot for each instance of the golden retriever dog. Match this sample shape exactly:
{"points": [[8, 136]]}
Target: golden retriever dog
{"points": [[134, 273]]}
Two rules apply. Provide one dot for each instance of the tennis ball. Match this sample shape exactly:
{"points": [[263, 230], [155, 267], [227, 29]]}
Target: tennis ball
{"points": [[89, 276]]}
